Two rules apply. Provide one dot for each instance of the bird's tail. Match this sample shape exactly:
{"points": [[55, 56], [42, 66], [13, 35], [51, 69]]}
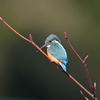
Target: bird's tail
{"points": [[63, 66]]}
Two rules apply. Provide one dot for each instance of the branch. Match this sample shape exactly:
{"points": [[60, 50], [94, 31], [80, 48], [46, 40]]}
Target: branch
{"points": [[82, 61], [27, 39], [83, 95], [78, 84], [32, 42]]}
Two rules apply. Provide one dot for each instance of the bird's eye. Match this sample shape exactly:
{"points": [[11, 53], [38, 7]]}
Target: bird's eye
{"points": [[50, 41]]}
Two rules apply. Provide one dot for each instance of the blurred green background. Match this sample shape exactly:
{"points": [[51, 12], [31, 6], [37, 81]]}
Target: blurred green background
{"points": [[25, 74]]}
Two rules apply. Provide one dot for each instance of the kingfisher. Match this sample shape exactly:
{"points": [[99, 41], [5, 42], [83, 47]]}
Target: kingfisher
{"points": [[55, 51]]}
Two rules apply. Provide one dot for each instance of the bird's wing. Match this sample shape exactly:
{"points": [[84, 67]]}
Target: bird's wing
{"points": [[58, 51]]}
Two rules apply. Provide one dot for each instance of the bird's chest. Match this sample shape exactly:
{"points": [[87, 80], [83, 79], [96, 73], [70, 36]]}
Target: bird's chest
{"points": [[52, 58], [53, 51], [54, 48]]}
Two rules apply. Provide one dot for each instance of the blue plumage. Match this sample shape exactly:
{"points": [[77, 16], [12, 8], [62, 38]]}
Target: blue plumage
{"points": [[56, 51]]}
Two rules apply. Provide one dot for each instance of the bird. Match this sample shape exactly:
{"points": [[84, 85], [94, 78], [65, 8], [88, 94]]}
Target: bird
{"points": [[55, 51]]}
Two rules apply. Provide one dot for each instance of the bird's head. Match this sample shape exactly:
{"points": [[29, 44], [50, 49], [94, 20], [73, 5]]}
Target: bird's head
{"points": [[49, 39], [52, 37]]}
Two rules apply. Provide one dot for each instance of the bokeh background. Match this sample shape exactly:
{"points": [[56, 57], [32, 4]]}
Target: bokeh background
{"points": [[27, 75]]}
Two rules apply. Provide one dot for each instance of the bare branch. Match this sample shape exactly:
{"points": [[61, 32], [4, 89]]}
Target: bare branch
{"points": [[83, 62], [95, 85], [83, 95], [33, 43], [86, 57], [30, 37], [28, 40]]}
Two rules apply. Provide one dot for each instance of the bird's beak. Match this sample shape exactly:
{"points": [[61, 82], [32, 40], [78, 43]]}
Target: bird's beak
{"points": [[41, 47]]}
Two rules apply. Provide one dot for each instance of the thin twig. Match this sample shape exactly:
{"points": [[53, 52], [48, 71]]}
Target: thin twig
{"points": [[32, 42], [83, 61], [95, 86], [28, 40], [83, 95], [78, 84]]}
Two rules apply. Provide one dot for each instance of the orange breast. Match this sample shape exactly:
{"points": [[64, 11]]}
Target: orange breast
{"points": [[52, 58]]}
